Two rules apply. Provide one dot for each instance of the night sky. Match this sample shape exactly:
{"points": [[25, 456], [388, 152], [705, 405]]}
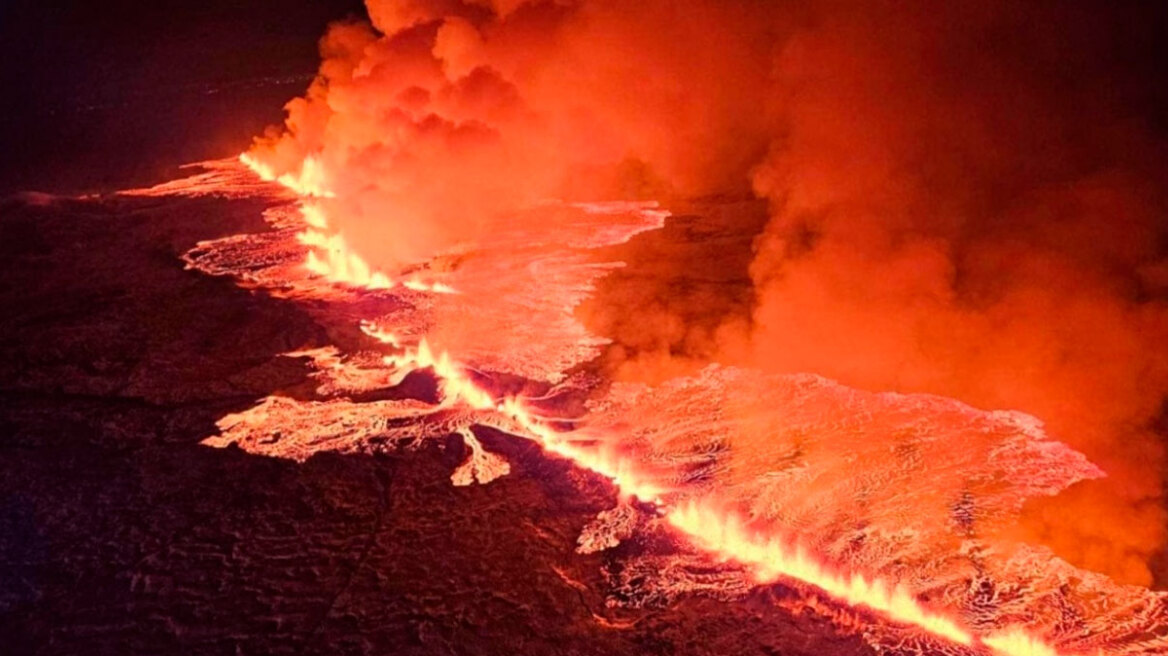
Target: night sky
{"points": [[100, 95]]}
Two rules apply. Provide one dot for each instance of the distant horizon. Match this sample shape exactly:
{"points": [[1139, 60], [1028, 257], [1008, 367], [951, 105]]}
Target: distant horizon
{"points": [[100, 96]]}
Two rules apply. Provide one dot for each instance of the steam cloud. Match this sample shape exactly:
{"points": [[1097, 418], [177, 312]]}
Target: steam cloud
{"points": [[441, 117], [965, 198]]}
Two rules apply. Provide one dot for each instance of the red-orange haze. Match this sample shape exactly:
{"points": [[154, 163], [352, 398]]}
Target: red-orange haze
{"points": [[969, 203], [441, 117], [966, 197]]}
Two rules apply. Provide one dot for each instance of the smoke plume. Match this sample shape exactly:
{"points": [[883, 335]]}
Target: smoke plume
{"points": [[969, 202], [437, 120], [964, 198]]}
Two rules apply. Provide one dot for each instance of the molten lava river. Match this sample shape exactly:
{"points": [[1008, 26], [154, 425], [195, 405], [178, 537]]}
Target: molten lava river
{"points": [[872, 509]]}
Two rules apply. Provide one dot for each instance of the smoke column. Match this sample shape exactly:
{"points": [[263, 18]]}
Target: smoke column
{"points": [[438, 120], [969, 202]]}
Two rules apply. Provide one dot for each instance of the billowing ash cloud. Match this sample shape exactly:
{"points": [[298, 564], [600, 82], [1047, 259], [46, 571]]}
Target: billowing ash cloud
{"points": [[970, 202], [441, 117], [965, 198]]}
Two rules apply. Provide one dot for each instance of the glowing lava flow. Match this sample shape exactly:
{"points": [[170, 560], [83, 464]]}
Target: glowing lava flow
{"points": [[339, 264], [457, 387], [310, 181], [1017, 642], [725, 534], [329, 256], [705, 524]]}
